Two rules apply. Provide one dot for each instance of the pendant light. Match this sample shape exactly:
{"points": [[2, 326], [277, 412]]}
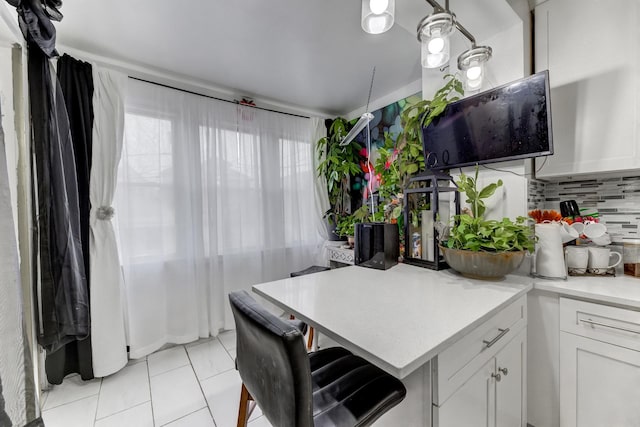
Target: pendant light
{"points": [[433, 33], [472, 63], [377, 15]]}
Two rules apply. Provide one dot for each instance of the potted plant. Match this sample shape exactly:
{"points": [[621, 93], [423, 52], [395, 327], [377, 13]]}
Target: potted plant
{"points": [[403, 158], [346, 224], [338, 165], [481, 248]]}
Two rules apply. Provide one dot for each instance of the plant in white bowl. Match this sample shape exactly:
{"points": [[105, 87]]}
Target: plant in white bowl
{"points": [[482, 248]]}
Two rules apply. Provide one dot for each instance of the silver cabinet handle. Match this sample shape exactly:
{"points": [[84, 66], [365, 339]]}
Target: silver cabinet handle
{"points": [[502, 333], [505, 371], [498, 377], [594, 324]]}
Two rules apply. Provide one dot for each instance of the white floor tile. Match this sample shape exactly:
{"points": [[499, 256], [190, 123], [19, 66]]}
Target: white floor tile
{"points": [[71, 389], [138, 416], [210, 359], [199, 341], [136, 361], [80, 413], [175, 394], [232, 353], [201, 418], [223, 395], [123, 390], [228, 339], [43, 398], [259, 422], [166, 360], [256, 413]]}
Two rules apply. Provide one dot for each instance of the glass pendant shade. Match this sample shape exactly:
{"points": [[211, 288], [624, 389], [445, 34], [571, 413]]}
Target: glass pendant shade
{"points": [[377, 15], [472, 64], [433, 33]]}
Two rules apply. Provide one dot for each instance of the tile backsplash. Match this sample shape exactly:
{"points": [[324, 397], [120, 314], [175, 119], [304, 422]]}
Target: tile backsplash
{"points": [[616, 199]]}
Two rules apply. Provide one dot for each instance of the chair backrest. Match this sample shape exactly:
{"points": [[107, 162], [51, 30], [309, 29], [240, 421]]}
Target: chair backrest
{"points": [[273, 363]]}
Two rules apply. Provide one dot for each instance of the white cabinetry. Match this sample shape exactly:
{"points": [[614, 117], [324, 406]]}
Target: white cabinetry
{"points": [[599, 365], [481, 379], [592, 52]]}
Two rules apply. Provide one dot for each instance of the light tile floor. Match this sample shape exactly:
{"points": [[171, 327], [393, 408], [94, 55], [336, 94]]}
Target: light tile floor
{"points": [[192, 385]]}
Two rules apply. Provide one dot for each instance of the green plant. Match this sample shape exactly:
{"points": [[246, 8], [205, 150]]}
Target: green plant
{"points": [[346, 224], [475, 233], [410, 154], [399, 160], [338, 165]]}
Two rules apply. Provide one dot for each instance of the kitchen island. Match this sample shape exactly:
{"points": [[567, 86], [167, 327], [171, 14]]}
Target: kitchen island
{"points": [[440, 333]]}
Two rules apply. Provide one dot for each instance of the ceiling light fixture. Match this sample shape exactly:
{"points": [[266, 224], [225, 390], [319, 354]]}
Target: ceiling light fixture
{"points": [[434, 32], [377, 15]]}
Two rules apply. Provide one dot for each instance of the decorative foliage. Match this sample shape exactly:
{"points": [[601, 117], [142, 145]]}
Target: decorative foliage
{"points": [[473, 232], [339, 164]]}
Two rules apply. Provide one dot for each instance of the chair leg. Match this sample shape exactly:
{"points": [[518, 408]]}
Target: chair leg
{"points": [[243, 413], [310, 339]]}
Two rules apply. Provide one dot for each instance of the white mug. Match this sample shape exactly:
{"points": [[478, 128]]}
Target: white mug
{"points": [[599, 260], [595, 230], [567, 233], [603, 240], [578, 227], [577, 259]]}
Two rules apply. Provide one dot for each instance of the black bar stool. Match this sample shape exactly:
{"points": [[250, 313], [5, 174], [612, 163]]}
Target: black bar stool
{"points": [[326, 388]]}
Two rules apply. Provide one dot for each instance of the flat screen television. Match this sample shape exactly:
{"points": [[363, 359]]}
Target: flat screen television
{"points": [[509, 122]]}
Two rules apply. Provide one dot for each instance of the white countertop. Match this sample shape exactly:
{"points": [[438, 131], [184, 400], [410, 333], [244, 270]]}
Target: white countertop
{"points": [[621, 290], [398, 318]]}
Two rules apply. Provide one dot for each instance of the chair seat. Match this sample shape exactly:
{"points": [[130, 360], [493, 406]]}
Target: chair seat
{"points": [[310, 270], [348, 390], [299, 324]]}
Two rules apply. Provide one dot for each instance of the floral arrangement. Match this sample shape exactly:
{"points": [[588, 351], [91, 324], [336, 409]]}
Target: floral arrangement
{"points": [[545, 216], [540, 216]]}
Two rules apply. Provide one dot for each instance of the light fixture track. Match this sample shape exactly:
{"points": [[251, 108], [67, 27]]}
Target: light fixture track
{"points": [[434, 32], [438, 8]]}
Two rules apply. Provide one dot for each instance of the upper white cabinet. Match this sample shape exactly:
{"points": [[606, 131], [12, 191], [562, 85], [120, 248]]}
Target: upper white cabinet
{"points": [[592, 51]]}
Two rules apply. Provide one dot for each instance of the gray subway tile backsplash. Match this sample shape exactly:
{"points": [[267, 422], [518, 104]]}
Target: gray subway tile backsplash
{"points": [[617, 200]]}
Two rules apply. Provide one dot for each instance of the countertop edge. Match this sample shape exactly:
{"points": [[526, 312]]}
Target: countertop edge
{"points": [[598, 297], [404, 371]]}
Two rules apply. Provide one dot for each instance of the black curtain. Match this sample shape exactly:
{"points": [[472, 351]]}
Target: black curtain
{"points": [[60, 274], [76, 84]]}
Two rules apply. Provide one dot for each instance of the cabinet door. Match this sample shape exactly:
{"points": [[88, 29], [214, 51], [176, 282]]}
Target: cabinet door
{"points": [[598, 383], [472, 404], [592, 53], [511, 389]]}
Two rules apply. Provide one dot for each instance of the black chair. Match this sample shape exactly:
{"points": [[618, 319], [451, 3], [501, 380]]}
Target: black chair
{"points": [[308, 270], [327, 388]]}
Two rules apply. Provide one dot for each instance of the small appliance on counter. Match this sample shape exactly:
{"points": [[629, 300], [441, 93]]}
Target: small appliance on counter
{"points": [[632, 257], [377, 245]]}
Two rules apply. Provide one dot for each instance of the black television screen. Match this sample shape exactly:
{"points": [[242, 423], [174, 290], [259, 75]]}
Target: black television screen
{"points": [[509, 122]]}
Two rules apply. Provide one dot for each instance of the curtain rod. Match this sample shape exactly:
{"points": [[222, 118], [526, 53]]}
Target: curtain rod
{"points": [[213, 97]]}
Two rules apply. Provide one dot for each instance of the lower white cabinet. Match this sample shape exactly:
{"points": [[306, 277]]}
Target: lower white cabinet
{"points": [[599, 365], [494, 395], [599, 383]]}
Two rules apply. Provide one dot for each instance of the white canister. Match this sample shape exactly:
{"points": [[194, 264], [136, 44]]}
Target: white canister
{"points": [[549, 252]]}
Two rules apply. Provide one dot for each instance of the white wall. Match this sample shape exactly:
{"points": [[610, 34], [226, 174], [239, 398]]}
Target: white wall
{"points": [[375, 104]]}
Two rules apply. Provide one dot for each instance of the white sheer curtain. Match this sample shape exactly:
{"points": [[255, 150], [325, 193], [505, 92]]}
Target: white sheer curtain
{"points": [[108, 343], [212, 197]]}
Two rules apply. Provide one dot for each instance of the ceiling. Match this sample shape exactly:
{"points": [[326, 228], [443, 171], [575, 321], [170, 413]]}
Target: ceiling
{"points": [[307, 54]]}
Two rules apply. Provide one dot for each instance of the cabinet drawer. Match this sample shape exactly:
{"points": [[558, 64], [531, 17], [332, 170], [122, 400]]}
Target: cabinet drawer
{"points": [[454, 366], [618, 326]]}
